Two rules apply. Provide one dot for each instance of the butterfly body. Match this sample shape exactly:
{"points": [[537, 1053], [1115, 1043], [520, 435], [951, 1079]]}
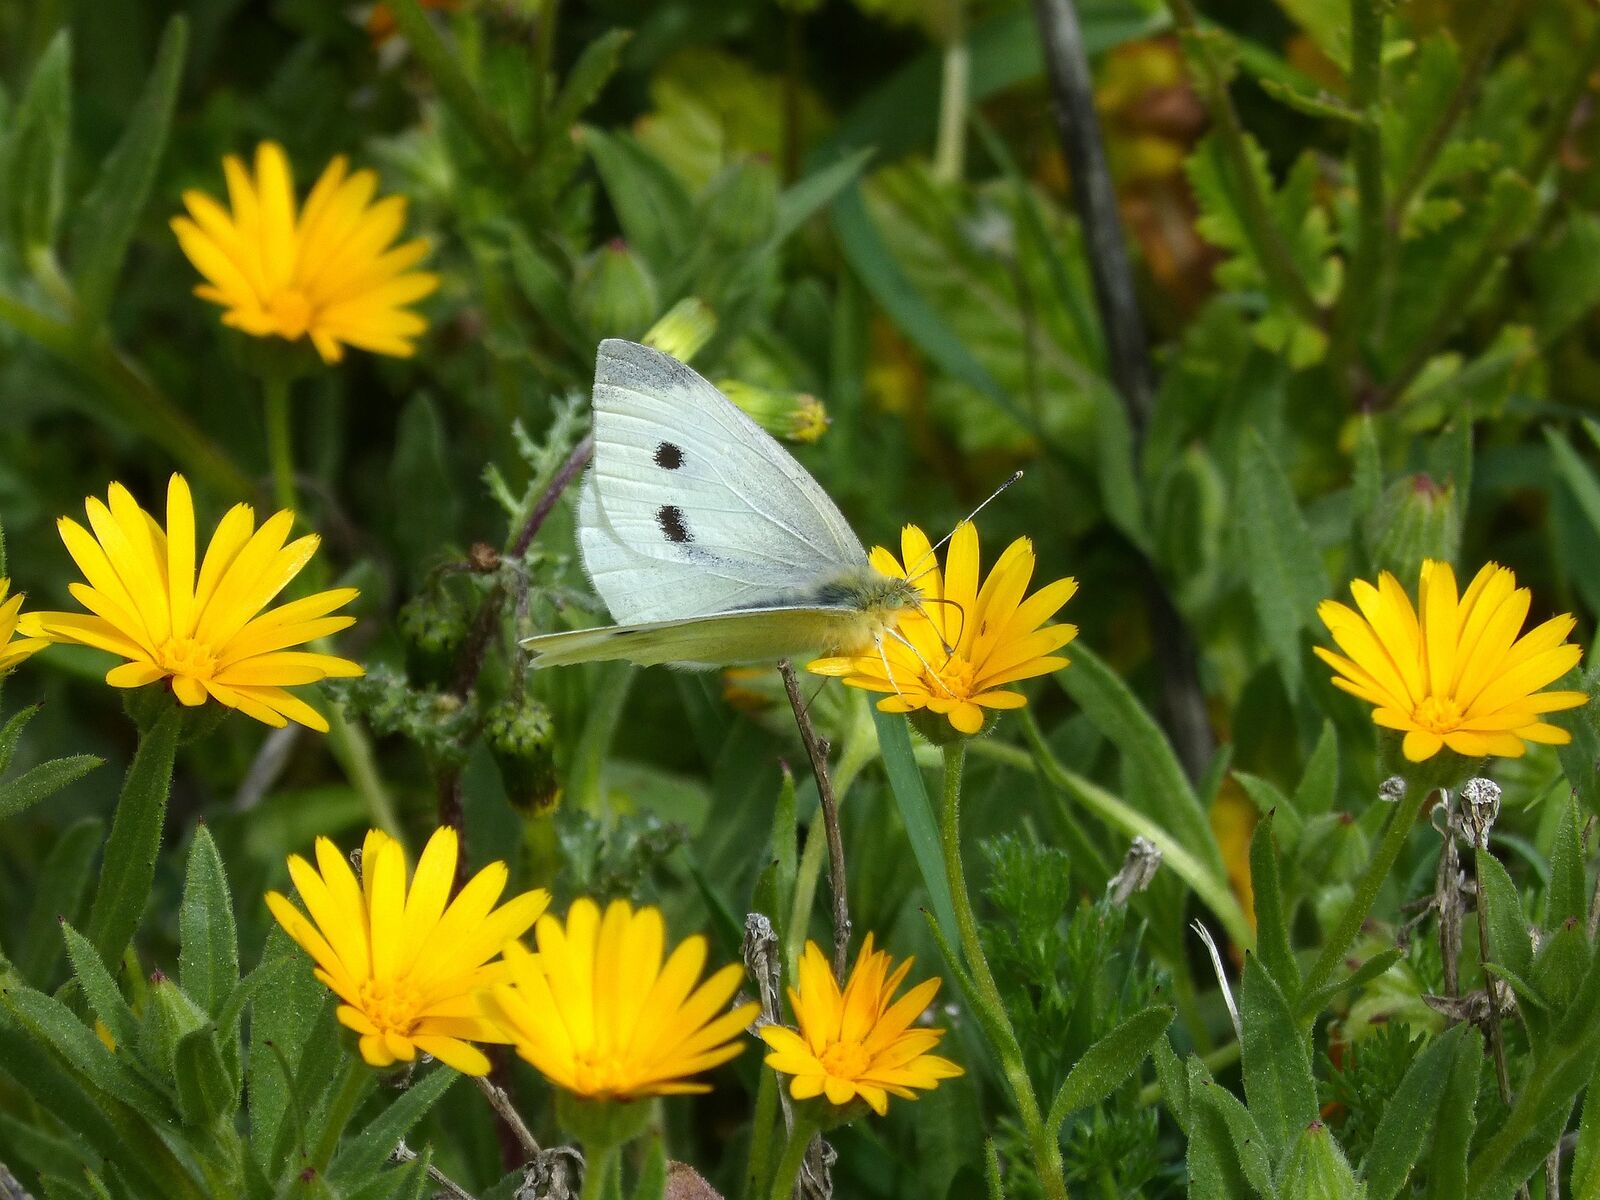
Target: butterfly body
{"points": [[708, 542]]}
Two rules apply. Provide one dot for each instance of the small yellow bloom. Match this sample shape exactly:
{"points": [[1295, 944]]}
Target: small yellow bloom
{"points": [[967, 642], [598, 1013], [330, 271], [409, 965], [859, 1043], [14, 649], [206, 636], [1452, 671]]}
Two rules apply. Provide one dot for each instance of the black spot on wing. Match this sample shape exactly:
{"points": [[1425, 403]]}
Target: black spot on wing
{"points": [[668, 456], [670, 518]]}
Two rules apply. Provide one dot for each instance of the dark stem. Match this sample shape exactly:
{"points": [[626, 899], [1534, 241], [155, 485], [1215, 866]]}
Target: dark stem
{"points": [[576, 461], [1366, 258], [510, 1118], [1447, 895], [1497, 1037], [817, 751]]}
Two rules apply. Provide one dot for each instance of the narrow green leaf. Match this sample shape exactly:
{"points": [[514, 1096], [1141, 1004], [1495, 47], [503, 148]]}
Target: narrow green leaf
{"points": [[652, 1183], [1585, 1180], [34, 151], [12, 730], [1107, 1064], [1409, 1116], [267, 975], [1286, 576], [135, 841], [1174, 1081], [62, 884], [916, 813], [595, 65], [1508, 927], [1310, 1005], [1272, 922], [1446, 1177], [361, 1155], [1319, 786], [1568, 895], [283, 1016], [43, 781], [1227, 1154], [1276, 1059], [656, 214], [109, 214], [207, 1089], [208, 957], [100, 987], [810, 195], [991, 1170]]}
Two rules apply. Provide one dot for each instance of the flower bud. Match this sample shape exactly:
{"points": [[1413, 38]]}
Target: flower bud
{"points": [[740, 205], [615, 293], [684, 331], [1317, 1166], [1416, 518], [522, 740], [792, 416], [169, 1016]]}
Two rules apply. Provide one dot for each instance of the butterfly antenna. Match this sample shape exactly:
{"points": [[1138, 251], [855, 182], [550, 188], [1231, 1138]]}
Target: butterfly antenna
{"points": [[926, 665], [917, 572], [960, 608]]}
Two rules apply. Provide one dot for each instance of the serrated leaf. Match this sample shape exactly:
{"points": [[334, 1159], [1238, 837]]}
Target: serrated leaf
{"points": [[1107, 1064], [106, 220], [1322, 104], [364, 1153], [1409, 1116], [1276, 1061], [43, 781], [208, 956], [100, 988]]}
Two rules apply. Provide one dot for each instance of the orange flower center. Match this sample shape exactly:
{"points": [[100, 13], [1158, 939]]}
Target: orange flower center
{"points": [[185, 656], [953, 676], [292, 311], [390, 1004], [1438, 715], [846, 1060], [598, 1075]]}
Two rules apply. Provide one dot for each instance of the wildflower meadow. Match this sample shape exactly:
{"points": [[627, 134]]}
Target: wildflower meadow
{"points": [[799, 600]]}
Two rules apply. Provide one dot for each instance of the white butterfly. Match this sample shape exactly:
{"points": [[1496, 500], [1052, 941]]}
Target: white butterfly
{"points": [[708, 542]]}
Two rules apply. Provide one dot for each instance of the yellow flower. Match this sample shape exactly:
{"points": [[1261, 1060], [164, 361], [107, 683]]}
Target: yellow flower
{"points": [[1452, 671], [330, 271], [598, 1013], [410, 967], [205, 636], [956, 655], [14, 650], [859, 1043]]}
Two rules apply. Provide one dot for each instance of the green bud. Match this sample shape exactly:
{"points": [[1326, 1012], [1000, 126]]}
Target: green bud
{"points": [[685, 330], [1416, 518], [615, 293], [601, 1124], [739, 207], [793, 416], [169, 1017], [1317, 1169], [522, 740], [272, 357], [433, 623]]}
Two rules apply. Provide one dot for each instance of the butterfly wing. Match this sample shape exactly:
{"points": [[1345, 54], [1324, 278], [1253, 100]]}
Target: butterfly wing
{"points": [[761, 635], [693, 508]]}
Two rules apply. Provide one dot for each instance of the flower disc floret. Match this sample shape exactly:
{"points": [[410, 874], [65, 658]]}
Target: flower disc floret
{"points": [[1452, 671], [956, 656], [203, 632], [859, 1042], [329, 271], [600, 1014], [408, 963]]}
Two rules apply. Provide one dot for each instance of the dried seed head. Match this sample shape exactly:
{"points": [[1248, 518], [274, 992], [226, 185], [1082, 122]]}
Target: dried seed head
{"points": [[1480, 807], [1392, 790], [1139, 867]]}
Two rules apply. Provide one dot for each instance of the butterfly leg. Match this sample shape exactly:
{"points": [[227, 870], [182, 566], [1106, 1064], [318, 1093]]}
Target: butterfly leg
{"points": [[926, 665]]}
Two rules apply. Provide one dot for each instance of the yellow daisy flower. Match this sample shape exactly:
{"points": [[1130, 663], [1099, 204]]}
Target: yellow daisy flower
{"points": [[955, 657], [1452, 671], [410, 965], [599, 1014], [14, 649], [206, 636], [330, 271], [859, 1043]]}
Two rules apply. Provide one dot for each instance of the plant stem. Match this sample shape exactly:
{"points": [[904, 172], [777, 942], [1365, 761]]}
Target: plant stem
{"points": [[509, 1116], [1366, 87], [353, 752], [280, 441], [1367, 887], [599, 1166], [357, 1077], [1497, 1036], [794, 1156], [1042, 1141], [817, 752], [950, 150]]}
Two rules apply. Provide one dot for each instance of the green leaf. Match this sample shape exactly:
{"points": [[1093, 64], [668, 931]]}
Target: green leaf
{"points": [[1174, 1081], [43, 781], [34, 151], [1508, 927], [1446, 1176], [916, 813], [1313, 1004], [1409, 1116], [106, 220], [1317, 1169], [1272, 921], [1276, 1061], [656, 214], [1286, 577], [208, 958], [1320, 783], [423, 502], [1227, 1156], [361, 1155], [62, 883], [283, 1016], [1568, 895], [798, 203], [652, 1183], [1107, 1064], [1366, 485], [207, 1089], [595, 65], [135, 841], [12, 730], [100, 988], [1585, 1179]]}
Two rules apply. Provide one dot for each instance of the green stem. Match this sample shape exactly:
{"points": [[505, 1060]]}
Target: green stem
{"points": [[1366, 87], [1043, 1145], [762, 1126], [353, 752], [950, 150], [280, 441], [1356, 912], [794, 1157], [599, 1167], [352, 1088]]}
